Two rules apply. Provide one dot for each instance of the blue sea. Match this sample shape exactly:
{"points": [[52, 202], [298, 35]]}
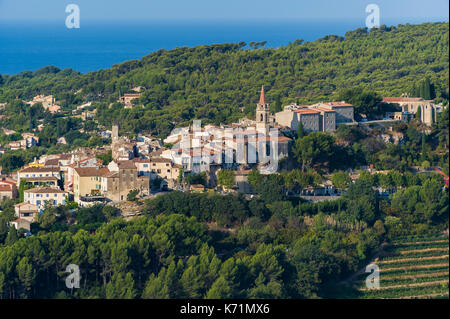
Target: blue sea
{"points": [[97, 45]]}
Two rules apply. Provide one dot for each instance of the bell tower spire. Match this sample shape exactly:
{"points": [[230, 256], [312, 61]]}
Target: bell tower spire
{"points": [[262, 112], [262, 98]]}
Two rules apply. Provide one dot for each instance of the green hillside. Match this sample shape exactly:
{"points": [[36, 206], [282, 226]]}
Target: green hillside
{"points": [[212, 82]]}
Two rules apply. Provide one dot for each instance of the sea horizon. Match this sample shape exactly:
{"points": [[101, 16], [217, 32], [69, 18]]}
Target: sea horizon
{"points": [[98, 45]]}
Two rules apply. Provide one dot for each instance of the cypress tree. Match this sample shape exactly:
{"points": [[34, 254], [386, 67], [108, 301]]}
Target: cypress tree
{"points": [[419, 113], [426, 89], [423, 156], [278, 107], [300, 132]]}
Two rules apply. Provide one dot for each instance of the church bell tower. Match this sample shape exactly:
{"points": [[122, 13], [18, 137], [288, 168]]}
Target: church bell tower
{"points": [[262, 113]]}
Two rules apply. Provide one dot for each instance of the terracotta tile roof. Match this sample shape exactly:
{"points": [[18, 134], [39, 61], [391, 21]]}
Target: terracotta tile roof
{"points": [[339, 104], [40, 190], [324, 109], [160, 160], [24, 204], [280, 139], [43, 178], [126, 164], [91, 171], [5, 188], [65, 156], [110, 174], [132, 95], [306, 111], [9, 181], [404, 99], [20, 220], [39, 169], [52, 162], [141, 160]]}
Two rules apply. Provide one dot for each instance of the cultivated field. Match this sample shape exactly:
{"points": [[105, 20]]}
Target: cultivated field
{"points": [[410, 268]]}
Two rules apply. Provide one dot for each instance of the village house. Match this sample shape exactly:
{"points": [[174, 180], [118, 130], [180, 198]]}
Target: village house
{"points": [[87, 181], [154, 166], [327, 119], [68, 169], [48, 102], [42, 196], [7, 191], [21, 223], [8, 186], [128, 97], [39, 175], [27, 211], [121, 178], [344, 111], [309, 118]]}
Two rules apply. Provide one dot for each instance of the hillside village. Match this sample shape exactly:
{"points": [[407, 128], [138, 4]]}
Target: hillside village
{"points": [[179, 175], [141, 167]]}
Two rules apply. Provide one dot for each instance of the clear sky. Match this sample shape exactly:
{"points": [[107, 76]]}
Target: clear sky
{"points": [[399, 11]]}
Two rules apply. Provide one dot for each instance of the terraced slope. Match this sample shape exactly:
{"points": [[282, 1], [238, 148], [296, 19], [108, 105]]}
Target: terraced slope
{"points": [[410, 268]]}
